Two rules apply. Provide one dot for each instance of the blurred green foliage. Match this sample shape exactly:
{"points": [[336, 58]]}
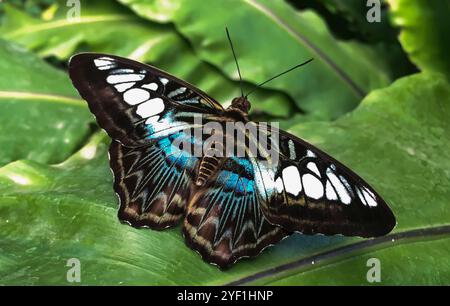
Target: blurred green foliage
{"points": [[376, 97], [31, 7]]}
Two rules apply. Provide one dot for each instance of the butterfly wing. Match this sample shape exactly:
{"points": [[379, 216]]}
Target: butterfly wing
{"points": [[137, 103], [308, 191], [224, 220], [249, 203], [153, 182], [147, 113]]}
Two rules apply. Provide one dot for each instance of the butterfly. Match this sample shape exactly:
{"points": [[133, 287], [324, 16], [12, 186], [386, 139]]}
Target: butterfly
{"points": [[230, 206]]}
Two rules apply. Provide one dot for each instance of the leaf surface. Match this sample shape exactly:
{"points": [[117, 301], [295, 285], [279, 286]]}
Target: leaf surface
{"points": [[270, 37], [393, 139]]}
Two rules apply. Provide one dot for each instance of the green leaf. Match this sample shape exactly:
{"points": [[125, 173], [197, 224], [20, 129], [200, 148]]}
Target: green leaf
{"points": [[111, 28], [41, 116], [270, 36], [33, 7], [424, 32], [347, 19], [356, 12], [423, 255], [394, 140], [53, 213]]}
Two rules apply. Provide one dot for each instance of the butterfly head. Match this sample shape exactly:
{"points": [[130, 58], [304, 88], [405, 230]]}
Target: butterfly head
{"points": [[241, 103]]}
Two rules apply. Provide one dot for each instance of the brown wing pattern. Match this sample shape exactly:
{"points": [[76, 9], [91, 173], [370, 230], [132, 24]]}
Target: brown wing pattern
{"points": [[152, 183], [224, 220]]}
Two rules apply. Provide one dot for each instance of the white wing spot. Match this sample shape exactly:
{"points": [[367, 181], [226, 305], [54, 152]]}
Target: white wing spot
{"points": [[104, 63], [279, 185], [164, 81], [136, 95], [292, 182], [370, 192], [151, 86], [176, 92], [313, 167], [340, 188], [331, 194], [124, 86], [360, 195], [347, 185], [265, 180], [292, 154], [313, 186], [150, 108], [122, 78], [122, 71], [369, 199], [106, 67], [310, 153], [152, 120], [100, 62]]}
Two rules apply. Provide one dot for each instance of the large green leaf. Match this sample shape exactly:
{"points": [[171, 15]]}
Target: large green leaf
{"points": [[424, 32], [53, 213], [41, 116], [394, 140], [430, 255], [271, 36], [347, 19], [111, 28]]}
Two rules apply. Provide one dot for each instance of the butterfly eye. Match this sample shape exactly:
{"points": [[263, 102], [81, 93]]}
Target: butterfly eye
{"points": [[241, 103], [248, 105]]}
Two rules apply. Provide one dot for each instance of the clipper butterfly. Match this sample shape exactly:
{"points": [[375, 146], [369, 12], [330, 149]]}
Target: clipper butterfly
{"points": [[231, 206]]}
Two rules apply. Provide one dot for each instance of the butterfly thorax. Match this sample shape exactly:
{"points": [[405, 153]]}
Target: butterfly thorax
{"points": [[239, 108], [213, 156]]}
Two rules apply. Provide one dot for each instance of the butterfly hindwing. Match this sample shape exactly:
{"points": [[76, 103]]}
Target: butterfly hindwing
{"points": [[306, 190], [224, 220], [152, 182], [137, 103]]}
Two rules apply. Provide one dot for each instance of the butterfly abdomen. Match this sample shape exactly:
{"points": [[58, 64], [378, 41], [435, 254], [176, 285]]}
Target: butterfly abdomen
{"points": [[209, 164]]}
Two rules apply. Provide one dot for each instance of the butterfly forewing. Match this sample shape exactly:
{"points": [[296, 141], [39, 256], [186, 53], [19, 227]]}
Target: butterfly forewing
{"points": [[137, 103], [306, 190]]}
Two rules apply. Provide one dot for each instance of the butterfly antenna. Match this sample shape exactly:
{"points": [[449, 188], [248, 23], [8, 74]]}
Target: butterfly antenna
{"points": [[235, 59], [278, 75]]}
